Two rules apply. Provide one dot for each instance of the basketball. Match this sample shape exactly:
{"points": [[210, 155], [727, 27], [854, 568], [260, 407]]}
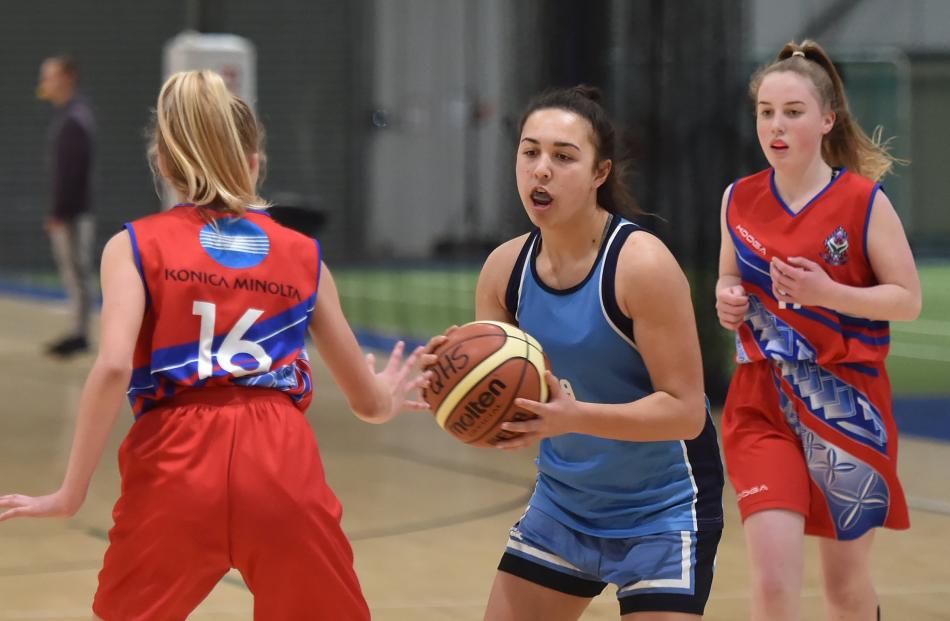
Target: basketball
{"points": [[480, 371]]}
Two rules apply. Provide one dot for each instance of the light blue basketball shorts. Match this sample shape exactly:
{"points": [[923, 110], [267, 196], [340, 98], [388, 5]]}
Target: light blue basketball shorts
{"points": [[662, 572]]}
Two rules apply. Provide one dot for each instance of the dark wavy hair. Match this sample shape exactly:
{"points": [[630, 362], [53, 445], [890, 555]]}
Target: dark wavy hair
{"points": [[584, 101]]}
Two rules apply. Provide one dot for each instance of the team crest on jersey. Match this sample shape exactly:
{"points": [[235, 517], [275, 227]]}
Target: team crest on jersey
{"points": [[235, 242], [836, 246]]}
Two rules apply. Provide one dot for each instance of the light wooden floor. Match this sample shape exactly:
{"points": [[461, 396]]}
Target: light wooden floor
{"points": [[427, 516]]}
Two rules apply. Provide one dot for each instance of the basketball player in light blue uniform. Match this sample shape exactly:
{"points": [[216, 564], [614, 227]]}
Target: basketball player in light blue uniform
{"points": [[629, 487]]}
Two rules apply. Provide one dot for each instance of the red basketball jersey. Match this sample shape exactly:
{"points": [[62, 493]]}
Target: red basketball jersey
{"points": [[830, 230], [228, 303]]}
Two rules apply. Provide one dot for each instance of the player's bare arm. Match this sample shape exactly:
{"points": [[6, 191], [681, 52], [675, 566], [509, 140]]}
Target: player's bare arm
{"points": [[493, 280], [123, 305], [731, 299], [897, 295], [353, 372], [653, 291]]}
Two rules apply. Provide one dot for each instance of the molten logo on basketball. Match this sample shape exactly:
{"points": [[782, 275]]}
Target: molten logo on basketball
{"points": [[474, 408], [478, 373], [448, 365]]}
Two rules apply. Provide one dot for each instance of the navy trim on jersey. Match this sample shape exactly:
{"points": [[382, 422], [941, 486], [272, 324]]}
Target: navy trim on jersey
{"points": [[735, 240], [593, 268], [778, 197], [861, 368], [316, 290], [608, 292], [861, 322], [138, 261], [867, 221], [848, 334], [182, 355], [732, 189], [704, 449], [707, 542], [512, 291], [760, 278]]}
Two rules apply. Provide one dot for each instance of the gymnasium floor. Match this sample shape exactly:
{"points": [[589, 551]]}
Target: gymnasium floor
{"points": [[427, 516]]}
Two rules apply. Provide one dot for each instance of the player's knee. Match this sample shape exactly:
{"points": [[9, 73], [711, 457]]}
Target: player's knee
{"points": [[849, 592], [776, 587]]}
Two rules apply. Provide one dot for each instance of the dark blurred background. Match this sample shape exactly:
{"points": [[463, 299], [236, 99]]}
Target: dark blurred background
{"points": [[392, 128]]}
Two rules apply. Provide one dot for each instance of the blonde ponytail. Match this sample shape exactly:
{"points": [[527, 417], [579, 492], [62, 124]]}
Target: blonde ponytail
{"points": [[204, 137]]}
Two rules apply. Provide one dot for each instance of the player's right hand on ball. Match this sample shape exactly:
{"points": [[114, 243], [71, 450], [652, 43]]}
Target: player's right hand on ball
{"points": [[552, 418], [732, 303], [436, 341], [429, 357]]}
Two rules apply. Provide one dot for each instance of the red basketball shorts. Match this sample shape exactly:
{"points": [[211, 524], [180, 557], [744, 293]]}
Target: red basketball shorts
{"points": [[224, 478], [817, 441]]}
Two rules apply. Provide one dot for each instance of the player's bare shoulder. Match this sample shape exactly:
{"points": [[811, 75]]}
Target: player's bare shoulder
{"points": [[647, 273], [503, 257], [493, 279]]}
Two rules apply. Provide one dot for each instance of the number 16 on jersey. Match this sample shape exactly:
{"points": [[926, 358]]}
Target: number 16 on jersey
{"points": [[233, 344]]}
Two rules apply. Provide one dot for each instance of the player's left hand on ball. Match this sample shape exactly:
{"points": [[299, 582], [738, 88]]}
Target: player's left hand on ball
{"points": [[437, 341], [551, 418]]}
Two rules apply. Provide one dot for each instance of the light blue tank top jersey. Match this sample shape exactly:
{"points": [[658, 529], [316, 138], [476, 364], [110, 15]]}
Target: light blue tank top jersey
{"points": [[603, 487]]}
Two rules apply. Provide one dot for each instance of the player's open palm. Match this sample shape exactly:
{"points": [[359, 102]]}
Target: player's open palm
{"points": [[401, 377], [731, 306], [550, 419], [52, 505]]}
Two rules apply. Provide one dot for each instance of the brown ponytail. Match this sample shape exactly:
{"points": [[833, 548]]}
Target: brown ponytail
{"points": [[846, 145]]}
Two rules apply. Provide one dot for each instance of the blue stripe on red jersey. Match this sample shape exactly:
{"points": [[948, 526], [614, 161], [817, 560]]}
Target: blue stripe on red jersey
{"points": [[830, 231], [230, 301]]}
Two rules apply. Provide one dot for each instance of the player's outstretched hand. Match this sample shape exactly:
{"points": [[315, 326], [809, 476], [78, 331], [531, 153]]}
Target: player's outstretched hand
{"points": [[551, 419], [57, 504], [731, 306], [402, 378]]}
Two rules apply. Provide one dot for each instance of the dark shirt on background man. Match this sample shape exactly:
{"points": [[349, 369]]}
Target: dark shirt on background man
{"points": [[72, 142]]}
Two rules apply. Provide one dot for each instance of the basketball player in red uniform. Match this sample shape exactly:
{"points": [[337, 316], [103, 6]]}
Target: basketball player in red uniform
{"points": [[814, 263], [205, 309]]}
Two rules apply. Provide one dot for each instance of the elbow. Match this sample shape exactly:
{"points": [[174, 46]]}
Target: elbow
{"points": [[913, 309], [906, 311], [369, 416], [694, 417], [113, 369]]}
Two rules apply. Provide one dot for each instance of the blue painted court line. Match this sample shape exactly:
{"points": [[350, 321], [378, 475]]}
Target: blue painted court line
{"points": [[923, 416], [928, 417], [35, 292], [382, 342]]}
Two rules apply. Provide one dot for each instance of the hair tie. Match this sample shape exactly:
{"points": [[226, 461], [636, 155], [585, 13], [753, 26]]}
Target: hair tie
{"points": [[798, 53]]}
